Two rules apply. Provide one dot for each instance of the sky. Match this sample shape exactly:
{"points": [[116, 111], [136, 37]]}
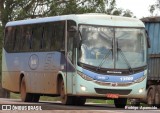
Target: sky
{"points": [[140, 8]]}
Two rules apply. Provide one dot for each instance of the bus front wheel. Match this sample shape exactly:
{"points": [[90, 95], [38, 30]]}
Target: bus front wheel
{"points": [[65, 99], [120, 102], [79, 101]]}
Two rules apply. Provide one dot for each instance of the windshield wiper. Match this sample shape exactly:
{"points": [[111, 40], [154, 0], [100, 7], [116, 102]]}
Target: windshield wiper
{"points": [[104, 59], [125, 59], [106, 56]]}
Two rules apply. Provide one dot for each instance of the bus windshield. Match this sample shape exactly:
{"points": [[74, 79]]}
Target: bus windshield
{"points": [[113, 47]]}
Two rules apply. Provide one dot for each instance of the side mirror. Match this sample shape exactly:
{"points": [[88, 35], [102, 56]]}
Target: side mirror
{"points": [[148, 40], [77, 40], [77, 36], [73, 29]]}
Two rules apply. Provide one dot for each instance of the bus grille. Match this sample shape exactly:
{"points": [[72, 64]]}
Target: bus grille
{"points": [[111, 84], [113, 91]]}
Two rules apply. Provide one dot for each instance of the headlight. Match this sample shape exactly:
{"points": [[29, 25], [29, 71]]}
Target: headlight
{"points": [[141, 90], [83, 88], [85, 76], [141, 78]]}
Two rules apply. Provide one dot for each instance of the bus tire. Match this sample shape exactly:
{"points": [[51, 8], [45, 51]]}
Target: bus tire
{"points": [[79, 101], [135, 102], [35, 97], [157, 96], [25, 97], [120, 102], [65, 99], [151, 96]]}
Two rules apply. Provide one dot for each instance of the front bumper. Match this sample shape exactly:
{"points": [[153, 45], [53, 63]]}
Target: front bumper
{"points": [[93, 89]]}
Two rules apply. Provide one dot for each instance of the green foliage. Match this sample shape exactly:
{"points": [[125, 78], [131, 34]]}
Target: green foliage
{"points": [[154, 8], [127, 13], [42, 98], [98, 101], [23, 9]]}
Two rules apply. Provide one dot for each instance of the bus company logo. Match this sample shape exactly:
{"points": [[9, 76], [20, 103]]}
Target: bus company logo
{"points": [[115, 72], [33, 61], [52, 61]]}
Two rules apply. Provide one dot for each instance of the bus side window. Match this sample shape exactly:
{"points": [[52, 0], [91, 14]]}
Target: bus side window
{"points": [[59, 36], [21, 45], [48, 35], [53, 36], [17, 37], [26, 37], [9, 39], [36, 37], [42, 42]]}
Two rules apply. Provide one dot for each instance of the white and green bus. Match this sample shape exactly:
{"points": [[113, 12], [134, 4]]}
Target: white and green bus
{"points": [[76, 57]]}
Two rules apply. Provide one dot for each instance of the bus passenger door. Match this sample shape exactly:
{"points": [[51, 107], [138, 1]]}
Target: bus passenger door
{"points": [[71, 57]]}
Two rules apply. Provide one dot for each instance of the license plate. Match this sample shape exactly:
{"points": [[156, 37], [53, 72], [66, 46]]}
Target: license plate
{"points": [[112, 95]]}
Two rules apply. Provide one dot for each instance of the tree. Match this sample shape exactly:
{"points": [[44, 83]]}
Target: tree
{"points": [[127, 13], [112, 9], [3, 93], [155, 8], [23, 9]]}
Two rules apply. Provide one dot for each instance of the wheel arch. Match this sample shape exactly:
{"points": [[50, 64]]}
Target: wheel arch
{"points": [[60, 76]]}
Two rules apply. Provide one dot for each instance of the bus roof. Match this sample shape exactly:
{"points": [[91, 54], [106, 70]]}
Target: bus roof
{"points": [[89, 18]]}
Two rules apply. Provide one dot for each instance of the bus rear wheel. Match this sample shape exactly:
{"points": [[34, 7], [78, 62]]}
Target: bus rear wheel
{"points": [[65, 99], [25, 97], [157, 96], [151, 96], [35, 97], [120, 102]]}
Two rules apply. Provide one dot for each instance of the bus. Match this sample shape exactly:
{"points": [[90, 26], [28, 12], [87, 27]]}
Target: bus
{"points": [[76, 57]]}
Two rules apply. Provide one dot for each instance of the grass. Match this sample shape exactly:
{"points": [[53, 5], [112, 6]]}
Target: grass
{"points": [[46, 98], [42, 98], [14, 96], [100, 101]]}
